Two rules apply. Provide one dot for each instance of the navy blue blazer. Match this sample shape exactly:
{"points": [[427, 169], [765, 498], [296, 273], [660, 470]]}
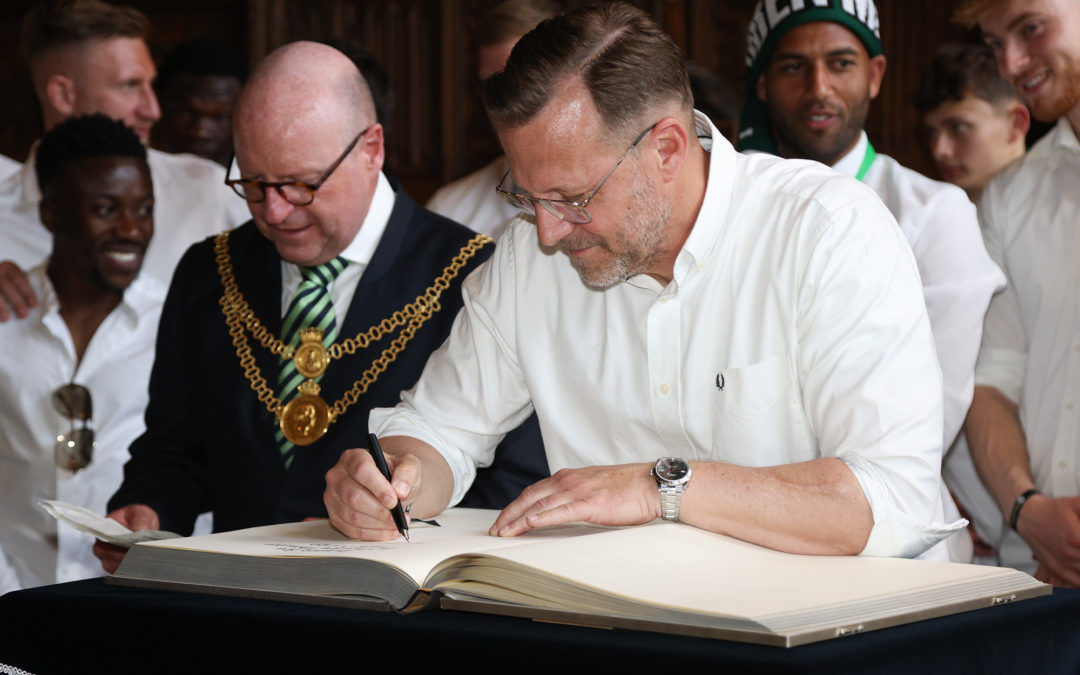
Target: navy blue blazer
{"points": [[209, 443]]}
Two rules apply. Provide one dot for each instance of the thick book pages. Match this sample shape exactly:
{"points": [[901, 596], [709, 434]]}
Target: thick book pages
{"points": [[661, 576]]}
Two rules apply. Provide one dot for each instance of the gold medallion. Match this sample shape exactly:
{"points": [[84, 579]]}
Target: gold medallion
{"points": [[306, 418], [311, 357]]}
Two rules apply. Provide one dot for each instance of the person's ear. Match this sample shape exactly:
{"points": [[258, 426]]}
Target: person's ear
{"points": [[671, 141], [1019, 121], [48, 214], [877, 74], [373, 148], [60, 94]]}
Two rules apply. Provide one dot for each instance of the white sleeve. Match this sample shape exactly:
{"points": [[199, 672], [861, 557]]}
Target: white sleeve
{"points": [[472, 391], [958, 280], [871, 383], [1003, 354]]}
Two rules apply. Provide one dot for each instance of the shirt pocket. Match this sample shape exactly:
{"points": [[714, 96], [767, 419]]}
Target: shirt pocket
{"points": [[750, 392]]}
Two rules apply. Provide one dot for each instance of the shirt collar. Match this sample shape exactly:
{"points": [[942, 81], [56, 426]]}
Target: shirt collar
{"points": [[1064, 136], [363, 245], [705, 233], [850, 163], [31, 195], [142, 298]]}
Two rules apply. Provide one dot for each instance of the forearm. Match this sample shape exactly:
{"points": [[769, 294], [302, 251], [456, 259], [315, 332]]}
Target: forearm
{"points": [[431, 495], [814, 507], [998, 446]]}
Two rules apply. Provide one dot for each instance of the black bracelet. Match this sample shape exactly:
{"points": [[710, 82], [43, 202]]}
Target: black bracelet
{"points": [[1020, 501]]}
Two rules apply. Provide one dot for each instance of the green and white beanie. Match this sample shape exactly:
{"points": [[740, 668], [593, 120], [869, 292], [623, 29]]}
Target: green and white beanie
{"points": [[770, 21]]}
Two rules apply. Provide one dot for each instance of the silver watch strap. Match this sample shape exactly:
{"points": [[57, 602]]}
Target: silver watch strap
{"points": [[670, 501]]}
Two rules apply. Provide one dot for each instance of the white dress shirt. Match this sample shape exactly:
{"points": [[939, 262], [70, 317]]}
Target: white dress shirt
{"points": [[958, 279], [38, 356], [793, 329], [473, 202], [191, 203], [1030, 214]]}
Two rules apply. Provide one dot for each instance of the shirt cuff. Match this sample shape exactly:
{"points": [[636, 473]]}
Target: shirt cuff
{"points": [[404, 420], [896, 533]]}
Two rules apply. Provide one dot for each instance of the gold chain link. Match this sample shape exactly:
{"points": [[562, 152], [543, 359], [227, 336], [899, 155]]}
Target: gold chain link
{"points": [[238, 317]]}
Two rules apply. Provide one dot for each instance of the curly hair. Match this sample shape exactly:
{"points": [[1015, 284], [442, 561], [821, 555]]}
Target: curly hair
{"points": [[84, 137]]}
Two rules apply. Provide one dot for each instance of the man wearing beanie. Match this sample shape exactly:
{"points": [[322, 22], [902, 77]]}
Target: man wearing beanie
{"points": [[813, 70]]}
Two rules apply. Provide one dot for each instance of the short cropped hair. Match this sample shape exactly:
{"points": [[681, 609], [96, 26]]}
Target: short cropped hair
{"points": [[201, 57], [968, 12], [510, 19], [84, 137], [960, 70], [52, 24], [629, 65]]}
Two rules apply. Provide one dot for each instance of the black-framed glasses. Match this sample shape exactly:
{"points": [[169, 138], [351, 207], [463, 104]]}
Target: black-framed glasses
{"points": [[297, 193], [570, 210], [74, 449]]}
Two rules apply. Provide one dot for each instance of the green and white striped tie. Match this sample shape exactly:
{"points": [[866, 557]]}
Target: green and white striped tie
{"points": [[310, 307]]}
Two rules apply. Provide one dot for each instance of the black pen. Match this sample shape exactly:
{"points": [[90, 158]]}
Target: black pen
{"points": [[380, 461]]}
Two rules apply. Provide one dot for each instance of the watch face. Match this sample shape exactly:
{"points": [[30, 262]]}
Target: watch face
{"points": [[672, 468]]}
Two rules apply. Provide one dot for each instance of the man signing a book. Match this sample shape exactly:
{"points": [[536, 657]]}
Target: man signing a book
{"points": [[756, 323]]}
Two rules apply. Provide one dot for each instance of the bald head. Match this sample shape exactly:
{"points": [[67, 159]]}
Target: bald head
{"points": [[305, 83], [299, 113]]}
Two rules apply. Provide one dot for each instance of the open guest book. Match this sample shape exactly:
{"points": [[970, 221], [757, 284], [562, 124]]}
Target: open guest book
{"points": [[664, 577]]}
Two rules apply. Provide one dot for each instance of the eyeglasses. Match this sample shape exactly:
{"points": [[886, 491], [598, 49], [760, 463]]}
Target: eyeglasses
{"points": [[74, 449], [570, 210], [297, 193]]}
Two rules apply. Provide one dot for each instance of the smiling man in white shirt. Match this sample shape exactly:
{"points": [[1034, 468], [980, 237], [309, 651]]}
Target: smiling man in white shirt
{"points": [[90, 57], [1023, 427], [756, 321], [73, 373]]}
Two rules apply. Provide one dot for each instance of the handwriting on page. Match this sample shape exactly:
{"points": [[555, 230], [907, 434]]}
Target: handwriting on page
{"points": [[336, 547]]}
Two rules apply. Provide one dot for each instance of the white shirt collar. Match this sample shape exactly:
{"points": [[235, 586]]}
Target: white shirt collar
{"points": [[1064, 136], [849, 164], [140, 299], [30, 193], [363, 245], [705, 234]]}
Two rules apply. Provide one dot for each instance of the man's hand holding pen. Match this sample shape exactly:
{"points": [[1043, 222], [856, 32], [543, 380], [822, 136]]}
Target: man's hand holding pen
{"points": [[359, 499]]}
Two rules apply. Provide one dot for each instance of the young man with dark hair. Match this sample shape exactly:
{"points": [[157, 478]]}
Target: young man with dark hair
{"points": [[975, 121], [1023, 425], [73, 373], [86, 57], [198, 84], [755, 323]]}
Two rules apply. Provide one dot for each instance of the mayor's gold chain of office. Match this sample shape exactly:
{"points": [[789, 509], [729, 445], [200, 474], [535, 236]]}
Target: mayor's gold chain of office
{"points": [[238, 317]]}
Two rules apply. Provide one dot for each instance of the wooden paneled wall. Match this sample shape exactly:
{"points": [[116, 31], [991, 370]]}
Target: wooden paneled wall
{"points": [[437, 130]]}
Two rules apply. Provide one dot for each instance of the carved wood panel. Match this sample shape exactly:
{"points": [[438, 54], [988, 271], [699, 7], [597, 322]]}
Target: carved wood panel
{"points": [[437, 129]]}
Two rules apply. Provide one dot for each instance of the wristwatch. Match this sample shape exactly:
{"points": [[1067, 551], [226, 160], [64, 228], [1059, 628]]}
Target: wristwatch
{"points": [[671, 474]]}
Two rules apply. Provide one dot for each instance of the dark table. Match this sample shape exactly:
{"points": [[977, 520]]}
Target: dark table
{"points": [[88, 626]]}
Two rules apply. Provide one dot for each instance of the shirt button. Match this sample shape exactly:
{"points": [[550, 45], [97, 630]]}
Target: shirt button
{"points": [[1069, 405], [665, 389], [1062, 464], [1076, 348]]}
